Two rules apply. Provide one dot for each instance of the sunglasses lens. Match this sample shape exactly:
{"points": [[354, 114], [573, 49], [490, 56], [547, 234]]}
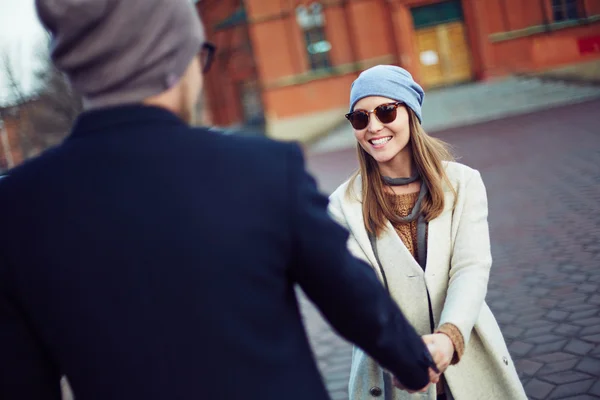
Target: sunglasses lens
{"points": [[386, 113], [359, 120]]}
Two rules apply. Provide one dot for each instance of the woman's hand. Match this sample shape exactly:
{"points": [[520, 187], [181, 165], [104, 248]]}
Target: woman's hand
{"points": [[441, 348]]}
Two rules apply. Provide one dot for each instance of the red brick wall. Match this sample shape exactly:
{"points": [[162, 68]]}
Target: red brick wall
{"points": [[367, 29]]}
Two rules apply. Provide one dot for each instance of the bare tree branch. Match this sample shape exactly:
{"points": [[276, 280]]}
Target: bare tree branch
{"points": [[14, 88], [45, 116]]}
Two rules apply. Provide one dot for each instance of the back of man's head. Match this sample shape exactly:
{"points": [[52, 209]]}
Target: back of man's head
{"points": [[122, 51]]}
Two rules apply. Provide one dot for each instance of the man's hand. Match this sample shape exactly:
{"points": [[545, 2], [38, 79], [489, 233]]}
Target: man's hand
{"points": [[434, 377], [441, 348]]}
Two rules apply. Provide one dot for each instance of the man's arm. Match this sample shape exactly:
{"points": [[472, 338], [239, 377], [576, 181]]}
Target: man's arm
{"points": [[25, 372], [347, 290]]}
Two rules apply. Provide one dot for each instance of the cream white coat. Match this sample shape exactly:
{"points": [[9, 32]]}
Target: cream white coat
{"points": [[456, 277]]}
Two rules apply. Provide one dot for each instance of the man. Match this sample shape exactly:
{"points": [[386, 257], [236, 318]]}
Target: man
{"points": [[145, 259]]}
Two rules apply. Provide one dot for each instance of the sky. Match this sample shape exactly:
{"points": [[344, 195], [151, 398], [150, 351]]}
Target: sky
{"points": [[21, 35]]}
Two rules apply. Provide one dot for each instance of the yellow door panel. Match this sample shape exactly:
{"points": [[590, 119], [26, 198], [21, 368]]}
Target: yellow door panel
{"points": [[427, 47], [444, 54]]}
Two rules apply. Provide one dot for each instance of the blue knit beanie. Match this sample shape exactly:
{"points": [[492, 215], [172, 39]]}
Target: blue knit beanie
{"points": [[388, 81]]}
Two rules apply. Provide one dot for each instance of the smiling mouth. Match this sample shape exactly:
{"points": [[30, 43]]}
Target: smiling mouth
{"points": [[379, 142]]}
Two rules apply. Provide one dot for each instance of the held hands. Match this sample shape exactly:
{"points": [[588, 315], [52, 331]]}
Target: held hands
{"points": [[442, 350]]}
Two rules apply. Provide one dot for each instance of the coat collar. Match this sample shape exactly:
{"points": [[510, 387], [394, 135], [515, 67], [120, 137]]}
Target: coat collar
{"points": [[391, 250], [115, 118]]}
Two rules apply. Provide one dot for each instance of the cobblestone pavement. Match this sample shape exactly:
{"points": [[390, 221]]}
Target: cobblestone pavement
{"points": [[542, 173]]}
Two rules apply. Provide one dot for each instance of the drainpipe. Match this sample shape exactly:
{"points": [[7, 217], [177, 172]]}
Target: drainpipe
{"points": [[584, 12], [293, 46], [545, 14], [505, 20], [392, 31], [351, 34]]}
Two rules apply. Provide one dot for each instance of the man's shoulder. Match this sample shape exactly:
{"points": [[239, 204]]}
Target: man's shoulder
{"points": [[239, 142]]}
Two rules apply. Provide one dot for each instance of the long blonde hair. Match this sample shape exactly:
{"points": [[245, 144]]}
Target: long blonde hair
{"points": [[428, 153]]}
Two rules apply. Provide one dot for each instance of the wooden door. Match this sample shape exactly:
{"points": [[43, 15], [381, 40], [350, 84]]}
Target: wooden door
{"points": [[444, 55]]}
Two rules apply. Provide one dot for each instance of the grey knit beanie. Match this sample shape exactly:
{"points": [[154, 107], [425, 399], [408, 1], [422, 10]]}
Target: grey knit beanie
{"points": [[121, 51], [388, 81]]}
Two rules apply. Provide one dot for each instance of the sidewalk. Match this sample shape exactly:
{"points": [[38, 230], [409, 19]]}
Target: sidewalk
{"points": [[480, 102]]}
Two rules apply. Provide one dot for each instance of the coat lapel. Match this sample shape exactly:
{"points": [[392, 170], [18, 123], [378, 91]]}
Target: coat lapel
{"points": [[352, 209], [391, 250], [394, 254]]}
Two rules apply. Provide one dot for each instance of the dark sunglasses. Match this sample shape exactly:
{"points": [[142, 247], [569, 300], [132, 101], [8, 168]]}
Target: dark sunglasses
{"points": [[207, 54], [385, 113]]}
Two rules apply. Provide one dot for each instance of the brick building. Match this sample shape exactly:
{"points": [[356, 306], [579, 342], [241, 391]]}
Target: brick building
{"points": [[288, 64]]}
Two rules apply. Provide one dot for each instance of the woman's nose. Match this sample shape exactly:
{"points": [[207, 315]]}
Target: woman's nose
{"points": [[374, 124]]}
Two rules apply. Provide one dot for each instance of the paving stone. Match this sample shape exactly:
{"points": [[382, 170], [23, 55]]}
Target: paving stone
{"points": [[557, 315], [578, 347], [588, 288], [339, 384], [592, 338], [585, 309], [336, 376], [519, 348], [540, 330], [590, 329], [538, 389], [558, 366], [578, 278], [339, 367], [548, 347], [505, 317], [563, 291], [574, 299], [595, 390], [547, 338], [527, 367], [547, 303], [567, 329], [587, 321], [499, 306], [540, 291], [590, 366], [339, 395], [512, 332], [571, 389], [563, 377]]}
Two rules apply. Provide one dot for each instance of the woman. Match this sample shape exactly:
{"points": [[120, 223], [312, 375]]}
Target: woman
{"points": [[420, 220]]}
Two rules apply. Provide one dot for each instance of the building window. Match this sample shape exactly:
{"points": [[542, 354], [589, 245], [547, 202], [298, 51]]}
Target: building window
{"points": [[317, 48], [563, 10], [312, 21]]}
